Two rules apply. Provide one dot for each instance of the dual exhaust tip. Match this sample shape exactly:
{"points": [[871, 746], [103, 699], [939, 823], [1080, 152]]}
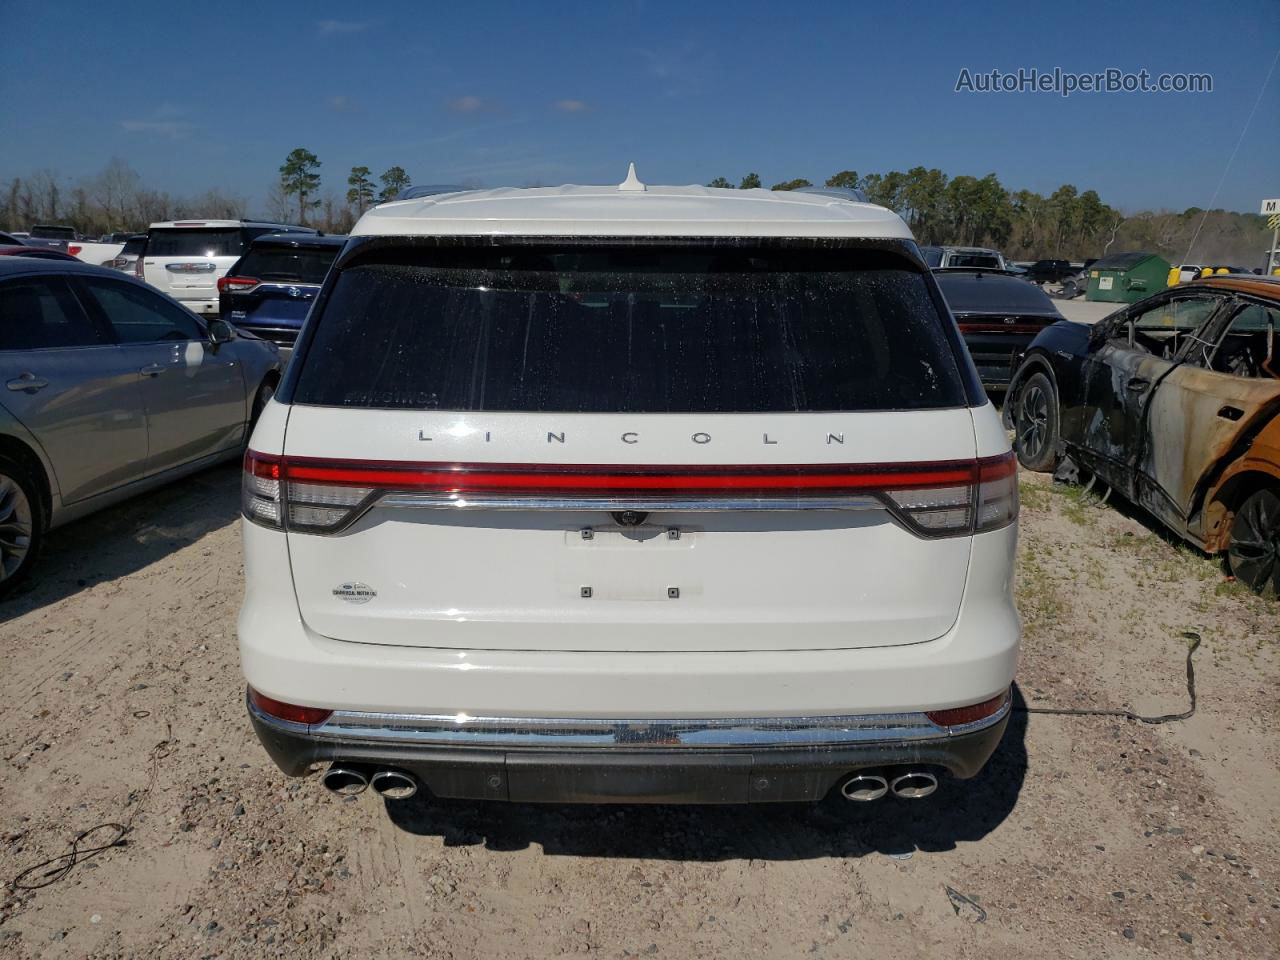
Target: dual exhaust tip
{"points": [[867, 785], [347, 780]]}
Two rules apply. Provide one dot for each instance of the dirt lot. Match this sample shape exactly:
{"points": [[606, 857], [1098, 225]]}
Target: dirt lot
{"points": [[1085, 837]]}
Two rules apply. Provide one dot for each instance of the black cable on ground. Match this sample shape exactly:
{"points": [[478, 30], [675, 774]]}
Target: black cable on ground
{"points": [[48, 872], [1126, 714]]}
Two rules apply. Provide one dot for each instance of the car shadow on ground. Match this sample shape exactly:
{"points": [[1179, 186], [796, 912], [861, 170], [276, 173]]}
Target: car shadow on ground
{"points": [[962, 811], [124, 538]]}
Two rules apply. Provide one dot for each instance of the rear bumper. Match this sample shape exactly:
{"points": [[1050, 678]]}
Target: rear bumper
{"points": [[600, 761], [286, 660], [996, 356], [199, 306]]}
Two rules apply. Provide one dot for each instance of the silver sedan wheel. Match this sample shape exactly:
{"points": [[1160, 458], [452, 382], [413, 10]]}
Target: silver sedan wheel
{"points": [[15, 526]]}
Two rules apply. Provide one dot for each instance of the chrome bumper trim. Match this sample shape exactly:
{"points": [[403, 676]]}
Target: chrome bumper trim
{"points": [[575, 733]]}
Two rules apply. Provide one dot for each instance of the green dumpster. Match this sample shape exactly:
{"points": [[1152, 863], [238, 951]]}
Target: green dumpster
{"points": [[1127, 277]]}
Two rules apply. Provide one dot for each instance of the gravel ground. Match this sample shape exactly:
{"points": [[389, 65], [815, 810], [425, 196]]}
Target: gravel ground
{"points": [[1084, 837]]}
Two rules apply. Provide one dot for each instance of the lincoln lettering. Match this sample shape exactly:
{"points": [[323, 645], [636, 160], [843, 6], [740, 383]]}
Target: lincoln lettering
{"points": [[700, 437]]}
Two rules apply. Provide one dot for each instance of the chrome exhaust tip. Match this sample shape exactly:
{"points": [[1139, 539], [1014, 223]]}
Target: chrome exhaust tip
{"points": [[864, 787], [913, 785], [345, 781], [393, 784]]}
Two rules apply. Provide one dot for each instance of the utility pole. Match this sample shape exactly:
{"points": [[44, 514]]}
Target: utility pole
{"points": [[1271, 210]]}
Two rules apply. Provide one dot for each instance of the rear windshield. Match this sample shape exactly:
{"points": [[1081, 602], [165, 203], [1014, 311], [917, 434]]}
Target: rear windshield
{"points": [[53, 233], [291, 265], [973, 260], [980, 292], [195, 242], [134, 246], [639, 329]]}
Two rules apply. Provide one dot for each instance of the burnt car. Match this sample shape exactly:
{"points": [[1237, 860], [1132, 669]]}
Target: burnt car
{"points": [[998, 315], [1174, 402], [1050, 271]]}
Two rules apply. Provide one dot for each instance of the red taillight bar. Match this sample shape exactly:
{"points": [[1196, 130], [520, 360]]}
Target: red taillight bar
{"points": [[970, 714], [288, 711], [997, 468], [464, 478], [232, 283]]}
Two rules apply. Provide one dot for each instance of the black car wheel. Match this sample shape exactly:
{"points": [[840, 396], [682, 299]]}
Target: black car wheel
{"points": [[21, 524], [1069, 290], [1035, 424], [1254, 550], [265, 393]]}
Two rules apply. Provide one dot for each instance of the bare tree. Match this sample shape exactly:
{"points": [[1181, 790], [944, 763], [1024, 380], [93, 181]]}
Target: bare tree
{"points": [[278, 206], [47, 195], [116, 189]]}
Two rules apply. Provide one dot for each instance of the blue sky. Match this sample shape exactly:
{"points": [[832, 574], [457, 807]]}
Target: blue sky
{"points": [[195, 96]]}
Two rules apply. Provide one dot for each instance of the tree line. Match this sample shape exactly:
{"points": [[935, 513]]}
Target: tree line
{"points": [[979, 211], [963, 209], [1068, 224], [300, 178]]}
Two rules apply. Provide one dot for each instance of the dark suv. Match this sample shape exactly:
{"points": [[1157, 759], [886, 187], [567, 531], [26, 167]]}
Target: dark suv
{"points": [[269, 290], [1049, 271]]}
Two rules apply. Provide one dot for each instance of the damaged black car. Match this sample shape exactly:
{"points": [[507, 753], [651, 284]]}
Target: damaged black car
{"points": [[1174, 402]]}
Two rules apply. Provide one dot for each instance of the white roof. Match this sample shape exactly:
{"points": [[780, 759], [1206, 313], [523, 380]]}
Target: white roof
{"points": [[631, 209], [196, 222]]}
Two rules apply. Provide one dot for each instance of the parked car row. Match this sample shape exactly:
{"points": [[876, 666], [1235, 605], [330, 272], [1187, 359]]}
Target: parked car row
{"points": [[260, 276], [110, 388]]}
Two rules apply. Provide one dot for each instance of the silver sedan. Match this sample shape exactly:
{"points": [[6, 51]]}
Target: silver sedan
{"points": [[111, 388]]}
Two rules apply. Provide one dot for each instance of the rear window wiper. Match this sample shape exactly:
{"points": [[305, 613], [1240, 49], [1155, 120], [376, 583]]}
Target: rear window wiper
{"points": [[290, 277]]}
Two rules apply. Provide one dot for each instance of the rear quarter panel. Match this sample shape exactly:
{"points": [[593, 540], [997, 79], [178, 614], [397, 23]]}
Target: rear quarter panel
{"points": [[1262, 457]]}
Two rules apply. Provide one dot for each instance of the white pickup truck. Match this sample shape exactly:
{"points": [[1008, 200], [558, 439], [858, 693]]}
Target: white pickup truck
{"points": [[64, 238]]}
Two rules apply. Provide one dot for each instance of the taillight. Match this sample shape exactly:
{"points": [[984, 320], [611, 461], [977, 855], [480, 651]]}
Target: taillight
{"points": [[261, 489], [956, 716], [74, 250], [288, 711], [938, 499], [237, 284], [997, 492]]}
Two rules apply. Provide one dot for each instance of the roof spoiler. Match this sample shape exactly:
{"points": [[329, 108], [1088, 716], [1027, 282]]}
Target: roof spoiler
{"points": [[840, 193], [430, 190]]}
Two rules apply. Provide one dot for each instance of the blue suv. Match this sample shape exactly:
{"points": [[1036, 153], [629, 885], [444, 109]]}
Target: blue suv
{"points": [[269, 290]]}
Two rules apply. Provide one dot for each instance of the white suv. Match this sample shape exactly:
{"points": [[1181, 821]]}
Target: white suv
{"points": [[630, 494], [187, 258]]}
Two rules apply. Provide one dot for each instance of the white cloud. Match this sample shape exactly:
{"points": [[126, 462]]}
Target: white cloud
{"points": [[571, 106], [466, 104], [170, 128], [328, 28]]}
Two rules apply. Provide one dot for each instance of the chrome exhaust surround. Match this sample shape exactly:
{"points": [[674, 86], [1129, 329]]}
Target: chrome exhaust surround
{"points": [[913, 785], [864, 787], [393, 784], [345, 781]]}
